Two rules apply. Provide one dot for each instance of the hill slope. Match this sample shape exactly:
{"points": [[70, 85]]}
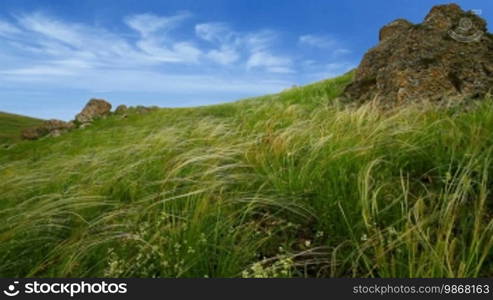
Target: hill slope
{"points": [[11, 126], [292, 184]]}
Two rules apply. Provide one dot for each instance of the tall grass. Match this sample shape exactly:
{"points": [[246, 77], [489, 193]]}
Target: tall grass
{"points": [[292, 184]]}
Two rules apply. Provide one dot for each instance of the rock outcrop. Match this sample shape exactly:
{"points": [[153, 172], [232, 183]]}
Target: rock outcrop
{"points": [[121, 109], [449, 55], [94, 109], [48, 128]]}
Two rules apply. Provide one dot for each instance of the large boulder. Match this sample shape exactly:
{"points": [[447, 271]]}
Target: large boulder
{"points": [[449, 55], [47, 128], [94, 109]]}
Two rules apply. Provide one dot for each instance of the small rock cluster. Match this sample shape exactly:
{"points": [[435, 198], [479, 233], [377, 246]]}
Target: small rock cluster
{"points": [[448, 56], [48, 128], [94, 109]]}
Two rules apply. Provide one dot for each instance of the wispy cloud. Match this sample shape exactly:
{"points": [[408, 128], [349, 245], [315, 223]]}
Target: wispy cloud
{"points": [[256, 47], [45, 42], [155, 42], [41, 52], [215, 32], [7, 29], [147, 24], [261, 55], [275, 64], [333, 46], [317, 41], [58, 44], [151, 53], [225, 55], [223, 38]]}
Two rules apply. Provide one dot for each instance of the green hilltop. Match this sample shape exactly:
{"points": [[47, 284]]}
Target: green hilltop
{"points": [[11, 126], [294, 184]]}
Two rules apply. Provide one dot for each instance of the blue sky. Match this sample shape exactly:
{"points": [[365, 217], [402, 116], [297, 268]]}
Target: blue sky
{"points": [[55, 55]]}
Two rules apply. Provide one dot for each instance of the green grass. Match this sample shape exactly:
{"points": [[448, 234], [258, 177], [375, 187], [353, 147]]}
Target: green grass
{"points": [[293, 184], [11, 126]]}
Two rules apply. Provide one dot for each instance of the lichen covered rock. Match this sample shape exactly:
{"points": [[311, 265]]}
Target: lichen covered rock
{"points": [[94, 109], [449, 55], [48, 128], [121, 109]]}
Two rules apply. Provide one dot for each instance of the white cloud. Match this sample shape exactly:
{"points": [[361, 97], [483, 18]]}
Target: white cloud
{"points": [[323, 42], [146, 24], [260, 41], [255, 47], [69, 34], [261, 56], [41, 51], [51, 41], [38, 71], [214, 32], [47, 53], [7, 28], [58, 41], [140, 81], [223, 56], [271, 63], [155, 42], [179, 52], [317, 41], [224, 38], [155, 55], [333, 48]]}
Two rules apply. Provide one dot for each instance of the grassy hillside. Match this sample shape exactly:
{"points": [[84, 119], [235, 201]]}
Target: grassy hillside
{"points": [[11, 126], [292, 184]]}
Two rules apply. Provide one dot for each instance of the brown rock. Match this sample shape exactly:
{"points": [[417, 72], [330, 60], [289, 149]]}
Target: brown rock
{"points": [[56, 133], [449, 55], [50, 127], [95, 108], [30, 134], [121, 109], [394, 28]]}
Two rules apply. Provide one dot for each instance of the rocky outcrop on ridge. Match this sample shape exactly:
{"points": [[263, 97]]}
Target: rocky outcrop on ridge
{"points": [[448, 56], [95, 108]]}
